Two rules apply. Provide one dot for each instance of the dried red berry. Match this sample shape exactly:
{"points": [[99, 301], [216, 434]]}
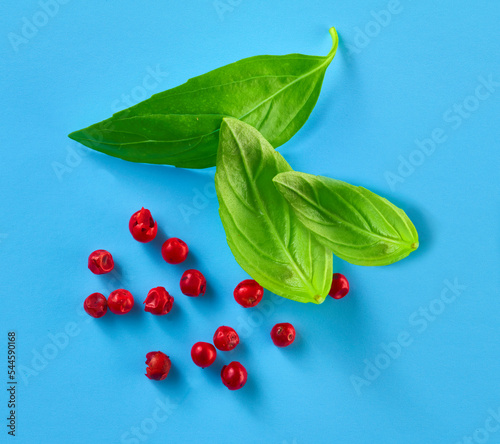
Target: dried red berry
{"points": [[120, 301], [158, 365], [101, 262], [248, 293], [340, 286], [283, 334], [234, 375], [193, 283], [158, 301], [203, 354], [95, 305], [174, 250], [142, 226], [226, 338]]}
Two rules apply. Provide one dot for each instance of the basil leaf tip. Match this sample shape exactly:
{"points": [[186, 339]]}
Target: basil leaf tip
{"points": [[357, 225], [263, 233], [180, 126]]}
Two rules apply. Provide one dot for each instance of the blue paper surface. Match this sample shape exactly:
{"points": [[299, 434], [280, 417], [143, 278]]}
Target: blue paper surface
{"points": [[409, 109]]}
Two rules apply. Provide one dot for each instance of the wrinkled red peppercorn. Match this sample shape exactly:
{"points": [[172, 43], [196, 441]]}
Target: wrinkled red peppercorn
{"points": [[158, 365], [142, 226], [283, 334], [234, 375], [226, 338], [158, 301], [203, 354], [100, 262], [340, 286], [248, 293], [174, 251], [95, 305], [120, 301], [193, 283]]}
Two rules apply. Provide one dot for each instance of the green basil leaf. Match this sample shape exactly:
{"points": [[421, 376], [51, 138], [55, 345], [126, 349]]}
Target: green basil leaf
{"points": [[275, 94], [266, 238], [356, 224]]}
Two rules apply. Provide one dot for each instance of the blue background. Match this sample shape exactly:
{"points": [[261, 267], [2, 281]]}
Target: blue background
{"points": [[384, 90]]}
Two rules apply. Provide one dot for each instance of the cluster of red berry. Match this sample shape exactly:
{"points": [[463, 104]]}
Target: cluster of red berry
{"points": [[247, 293]]}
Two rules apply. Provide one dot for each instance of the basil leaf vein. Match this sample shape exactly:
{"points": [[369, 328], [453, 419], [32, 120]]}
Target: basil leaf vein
{"points": [[180, 126], [263, 233], [357, 225]]}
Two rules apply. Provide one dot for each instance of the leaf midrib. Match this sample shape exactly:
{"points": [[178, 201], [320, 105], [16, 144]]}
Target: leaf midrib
{"points": [[269, 278], [234, 82], [270, 223], [327, 60], [350, 224]]}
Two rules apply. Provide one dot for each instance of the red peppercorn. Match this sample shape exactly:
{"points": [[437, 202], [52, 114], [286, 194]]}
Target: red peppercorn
{"points": [[234, 375], [203, 354], [158, 365], [340, 286], [120, 301], [95, 305], [283, 334], [142, 226], [101, 262], [226, 338], [174, 250], [193, 283], [248, 293], [158, 301]]}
